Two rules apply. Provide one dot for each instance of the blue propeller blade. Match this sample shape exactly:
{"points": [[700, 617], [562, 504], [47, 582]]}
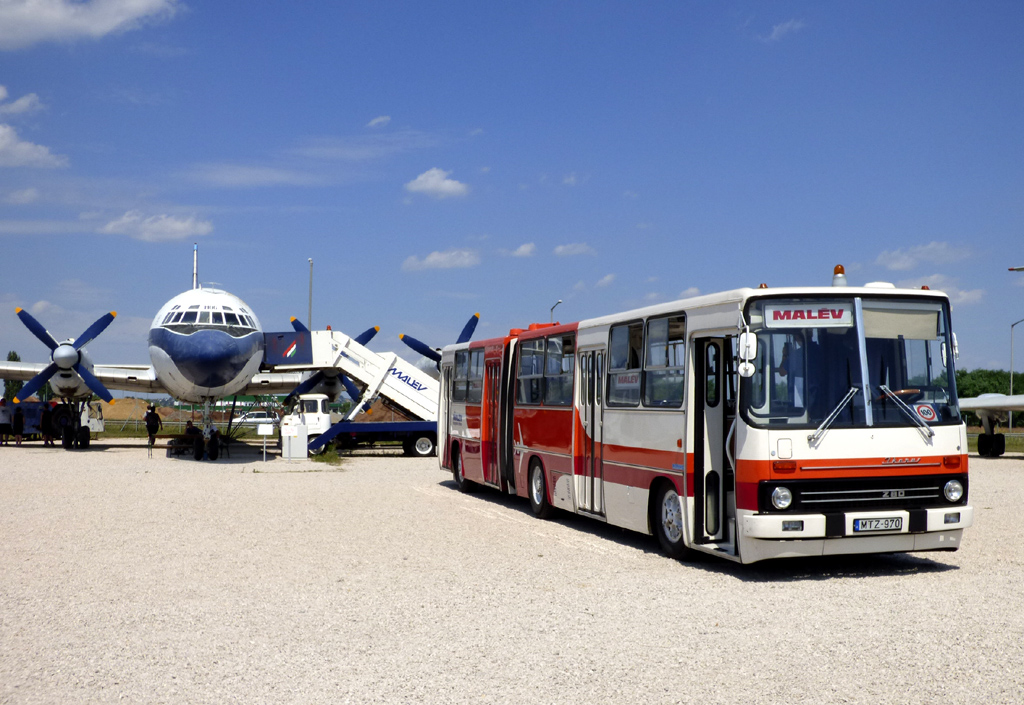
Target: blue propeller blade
{"points": [[367, 335], [467, 332], [306, 386], [298, 326], [92, 331], [421, 347], [94, 384], [36, 383], [36, 328]]}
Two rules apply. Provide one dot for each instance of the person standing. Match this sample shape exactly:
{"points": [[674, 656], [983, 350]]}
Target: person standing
{"points": [[153, 424], [18, 424], [46, 425], [5, 422]]}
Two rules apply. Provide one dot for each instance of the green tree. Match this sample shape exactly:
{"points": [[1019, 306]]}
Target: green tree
{"points": [[12, 387]]}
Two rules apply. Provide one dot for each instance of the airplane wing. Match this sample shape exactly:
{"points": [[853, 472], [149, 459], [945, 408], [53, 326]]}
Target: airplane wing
{"points": [[128, 378], [20, 371], [274, 382], [993, 402]]}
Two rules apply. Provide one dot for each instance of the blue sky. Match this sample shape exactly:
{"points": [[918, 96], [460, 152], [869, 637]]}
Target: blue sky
{"points": [[440, 159]]}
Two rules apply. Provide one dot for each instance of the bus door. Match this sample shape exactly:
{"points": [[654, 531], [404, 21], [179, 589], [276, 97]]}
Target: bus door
{"points": [[446, 414], [590, 484], [709, 440], [490, 423]]}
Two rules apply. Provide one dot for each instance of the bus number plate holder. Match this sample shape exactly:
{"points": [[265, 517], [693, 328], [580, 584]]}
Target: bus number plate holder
{"points": [[878, 524]]}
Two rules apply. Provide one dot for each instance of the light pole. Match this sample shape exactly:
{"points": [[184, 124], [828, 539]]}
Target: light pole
{"points": [[309, 320], [553, 310], [1010, 424]]}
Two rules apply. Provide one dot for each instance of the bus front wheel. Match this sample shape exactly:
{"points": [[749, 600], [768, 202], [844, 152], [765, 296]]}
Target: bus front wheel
{"points": [[461, 482], [667, 521], [539, 491]]}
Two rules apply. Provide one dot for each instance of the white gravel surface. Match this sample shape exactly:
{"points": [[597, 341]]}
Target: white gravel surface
{"points": [[129, 579]]}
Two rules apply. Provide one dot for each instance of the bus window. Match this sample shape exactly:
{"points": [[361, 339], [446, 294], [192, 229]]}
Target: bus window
{"points": [[712, 385], [474, 395], [558, 370], [624, 367], [665, 362], [531, 372], [461, 375]]}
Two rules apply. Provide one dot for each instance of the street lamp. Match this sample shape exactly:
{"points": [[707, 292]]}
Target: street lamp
{"points": [[309, 320], [553, 310], [1010, 426]]}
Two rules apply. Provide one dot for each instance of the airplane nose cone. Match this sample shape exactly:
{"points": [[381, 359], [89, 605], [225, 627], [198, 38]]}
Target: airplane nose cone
{"points": [[65, 356]]}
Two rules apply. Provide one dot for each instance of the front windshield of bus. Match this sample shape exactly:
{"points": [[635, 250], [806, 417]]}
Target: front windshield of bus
{"points": [[814, 354]]}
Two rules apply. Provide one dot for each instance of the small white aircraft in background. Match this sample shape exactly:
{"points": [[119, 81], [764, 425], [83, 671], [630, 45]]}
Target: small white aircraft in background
{"points": [[204, 345], [992, 409]]}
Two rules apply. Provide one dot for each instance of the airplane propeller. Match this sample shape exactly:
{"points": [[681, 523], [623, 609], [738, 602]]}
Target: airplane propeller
{"points": [[65, 356], [350, 387], [431, 354]]}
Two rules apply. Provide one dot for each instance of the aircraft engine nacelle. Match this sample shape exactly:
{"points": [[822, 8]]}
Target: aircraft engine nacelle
{"points": [[68, 384]]}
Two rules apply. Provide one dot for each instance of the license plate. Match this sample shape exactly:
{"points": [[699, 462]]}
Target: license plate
{"points": [[883, 524]]}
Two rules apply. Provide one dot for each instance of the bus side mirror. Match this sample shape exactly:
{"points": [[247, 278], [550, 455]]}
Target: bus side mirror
{"points": [[747, 353]]}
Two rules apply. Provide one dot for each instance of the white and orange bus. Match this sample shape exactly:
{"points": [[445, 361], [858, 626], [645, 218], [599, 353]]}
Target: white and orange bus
{"points": [[750, 424]]}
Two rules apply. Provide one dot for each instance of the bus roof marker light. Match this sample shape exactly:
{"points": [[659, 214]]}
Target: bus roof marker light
{"points": [[839, 276]]}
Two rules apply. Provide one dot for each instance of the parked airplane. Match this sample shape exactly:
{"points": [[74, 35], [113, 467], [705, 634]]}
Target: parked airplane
{"points": [[204, 344], [992, 409]]}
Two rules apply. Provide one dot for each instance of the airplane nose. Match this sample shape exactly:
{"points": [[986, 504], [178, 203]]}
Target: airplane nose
{"points": [[207, 358]]}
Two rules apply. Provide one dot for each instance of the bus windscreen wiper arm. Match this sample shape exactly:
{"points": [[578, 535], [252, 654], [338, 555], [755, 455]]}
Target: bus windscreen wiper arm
{"points": [[816, 436], [925, 429]]}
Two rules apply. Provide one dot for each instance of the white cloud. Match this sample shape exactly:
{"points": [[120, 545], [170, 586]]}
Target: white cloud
{"points": [[781, 30], [450, 259], [580, 286], [156, 228], [525, 250], [940, 282], [688, 293], [22, 197], [244, 176], [606, 280], [24, 104], [435, 183], [17, 152], [575, 248], [569, 179], [27, 22], [379, 121], [932, 253]]}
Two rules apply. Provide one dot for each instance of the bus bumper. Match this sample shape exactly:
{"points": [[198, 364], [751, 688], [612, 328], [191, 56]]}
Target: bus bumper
{"points": [[778, 536]]}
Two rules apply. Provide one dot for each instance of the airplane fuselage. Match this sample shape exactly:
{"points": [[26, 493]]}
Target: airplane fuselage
{"points": [[205, 344]]}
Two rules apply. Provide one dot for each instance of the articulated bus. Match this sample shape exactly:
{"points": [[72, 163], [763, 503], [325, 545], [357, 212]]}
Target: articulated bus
{"points": [[749, 424]]}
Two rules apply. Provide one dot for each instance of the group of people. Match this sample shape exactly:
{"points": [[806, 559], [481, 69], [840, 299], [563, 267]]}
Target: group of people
{"points": [[13, 424]]}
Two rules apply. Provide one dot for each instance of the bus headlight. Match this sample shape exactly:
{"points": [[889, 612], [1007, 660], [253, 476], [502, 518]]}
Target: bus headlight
{"points": [[953, 490], [782, 498]]}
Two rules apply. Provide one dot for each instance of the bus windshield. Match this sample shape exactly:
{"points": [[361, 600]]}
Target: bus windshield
{"points": [[812, 352]]}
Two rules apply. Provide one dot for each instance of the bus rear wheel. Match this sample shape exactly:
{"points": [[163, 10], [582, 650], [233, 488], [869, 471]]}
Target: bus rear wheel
{"points": [[667, 522], [538, 491]]}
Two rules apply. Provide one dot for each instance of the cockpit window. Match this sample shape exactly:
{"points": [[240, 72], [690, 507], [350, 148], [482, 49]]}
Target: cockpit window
{"points": [[218, 318], [204, 317], [189, 317], [167, 318], [231, 319]]}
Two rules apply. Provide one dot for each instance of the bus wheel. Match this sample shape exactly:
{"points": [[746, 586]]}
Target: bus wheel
{"points": [[464, 485], [667, 522], [423, 446], [538, 491]]}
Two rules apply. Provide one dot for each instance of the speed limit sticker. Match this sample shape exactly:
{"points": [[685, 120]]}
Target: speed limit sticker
{"points": [[926, 412]]}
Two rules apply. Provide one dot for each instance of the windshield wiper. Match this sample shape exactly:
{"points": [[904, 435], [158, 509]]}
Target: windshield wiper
{"points": [[816, 436], [924, 428]]}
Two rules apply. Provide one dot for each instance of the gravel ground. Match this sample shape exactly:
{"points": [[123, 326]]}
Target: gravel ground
{"points": [[144, 580]]}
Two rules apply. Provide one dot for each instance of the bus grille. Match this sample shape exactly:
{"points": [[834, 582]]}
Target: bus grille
{"points": [[865, 494]]}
